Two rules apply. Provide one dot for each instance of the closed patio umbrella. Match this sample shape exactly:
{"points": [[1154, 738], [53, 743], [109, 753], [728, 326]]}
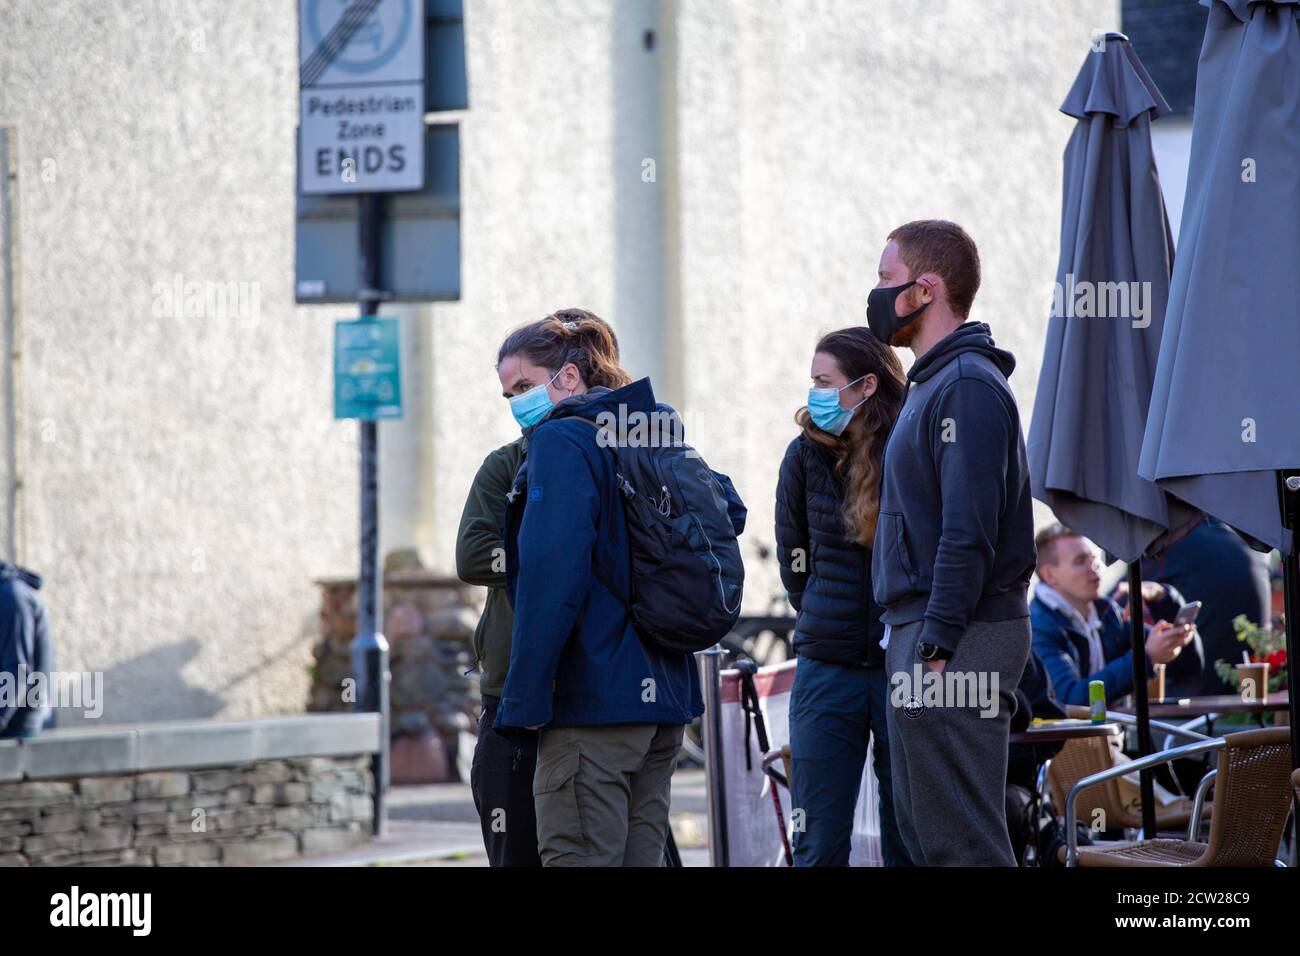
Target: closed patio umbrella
{"points": [[1223, 431], [1103, 337]]}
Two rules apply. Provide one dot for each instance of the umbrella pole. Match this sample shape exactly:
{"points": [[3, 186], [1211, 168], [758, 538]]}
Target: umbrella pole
{"points": [[1289, 487], [1145, 747]]}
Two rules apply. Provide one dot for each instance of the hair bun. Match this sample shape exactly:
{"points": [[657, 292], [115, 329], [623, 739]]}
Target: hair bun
{"points": [[570, 335]]}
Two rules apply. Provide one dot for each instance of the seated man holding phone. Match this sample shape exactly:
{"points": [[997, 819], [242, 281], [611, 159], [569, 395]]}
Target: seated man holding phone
{"points": [[1183, 675], [1080, 636]]}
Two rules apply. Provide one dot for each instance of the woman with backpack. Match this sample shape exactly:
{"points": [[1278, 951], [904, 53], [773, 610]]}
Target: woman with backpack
{"points": [[827, 503], [610, 705]]}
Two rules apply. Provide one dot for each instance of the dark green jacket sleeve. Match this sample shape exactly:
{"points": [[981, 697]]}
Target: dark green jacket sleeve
{"points": [[480, 550]]}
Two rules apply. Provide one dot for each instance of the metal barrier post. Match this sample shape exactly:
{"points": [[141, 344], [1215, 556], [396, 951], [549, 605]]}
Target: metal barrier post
{"points": [[710, 663]]}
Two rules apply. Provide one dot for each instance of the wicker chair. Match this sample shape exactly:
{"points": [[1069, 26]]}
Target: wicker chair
{"points": [[1253, 803], [1092, 755]]}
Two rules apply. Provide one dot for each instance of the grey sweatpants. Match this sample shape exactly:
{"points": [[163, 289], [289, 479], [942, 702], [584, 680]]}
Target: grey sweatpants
{"points": [[948, 743]]}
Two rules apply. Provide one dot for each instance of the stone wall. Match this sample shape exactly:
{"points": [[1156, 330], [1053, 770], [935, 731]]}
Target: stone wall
{"points": [[429, 622], [189, 792], [256, 813]]}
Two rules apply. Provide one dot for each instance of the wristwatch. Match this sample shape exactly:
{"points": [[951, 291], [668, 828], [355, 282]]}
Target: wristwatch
{"points": [[932, 652]]}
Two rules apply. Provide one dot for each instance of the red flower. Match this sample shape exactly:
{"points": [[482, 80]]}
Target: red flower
{"points": [[1277, 660]]}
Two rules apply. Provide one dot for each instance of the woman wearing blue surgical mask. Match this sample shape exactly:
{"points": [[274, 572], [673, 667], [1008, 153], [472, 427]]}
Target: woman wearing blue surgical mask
{"points": [[610, 709], [827, 503], [501, 775]]}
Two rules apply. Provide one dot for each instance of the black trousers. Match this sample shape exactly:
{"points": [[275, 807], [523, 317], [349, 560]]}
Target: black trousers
{"points": [[501, 779]]}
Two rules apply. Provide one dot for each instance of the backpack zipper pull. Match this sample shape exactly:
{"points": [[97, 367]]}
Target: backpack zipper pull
{"points": [[666, 502]]}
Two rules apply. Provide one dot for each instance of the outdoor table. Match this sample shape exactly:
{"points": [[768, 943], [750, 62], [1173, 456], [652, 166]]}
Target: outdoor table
{"points": [[1053, 733], [1217, 704], [1065, 730]]}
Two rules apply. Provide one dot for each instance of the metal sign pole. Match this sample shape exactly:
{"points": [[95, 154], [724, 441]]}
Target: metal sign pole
{"points": [[369, 648], [362, 131]]}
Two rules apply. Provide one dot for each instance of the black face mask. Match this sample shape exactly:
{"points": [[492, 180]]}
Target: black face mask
{"points": [[882, 320]]}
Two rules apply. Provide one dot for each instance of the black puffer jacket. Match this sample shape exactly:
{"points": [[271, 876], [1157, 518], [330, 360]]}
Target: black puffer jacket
{"points": [[827, 576]]}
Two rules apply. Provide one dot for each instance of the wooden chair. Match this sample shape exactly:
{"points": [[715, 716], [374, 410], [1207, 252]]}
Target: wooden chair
{"points": [[1252, 803]]}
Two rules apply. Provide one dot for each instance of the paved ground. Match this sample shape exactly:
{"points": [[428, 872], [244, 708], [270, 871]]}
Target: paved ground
{"points": [[436, 825]]}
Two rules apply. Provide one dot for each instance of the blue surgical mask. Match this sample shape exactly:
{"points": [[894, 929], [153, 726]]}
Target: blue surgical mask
{"points": [[824, 408], [532, 406]]}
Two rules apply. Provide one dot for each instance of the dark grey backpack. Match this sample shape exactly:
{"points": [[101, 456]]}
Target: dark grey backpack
{"points": [[687, 574]]}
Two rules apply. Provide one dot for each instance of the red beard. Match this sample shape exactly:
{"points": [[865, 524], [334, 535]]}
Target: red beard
{"points": [[904, 337], [907, 303]]}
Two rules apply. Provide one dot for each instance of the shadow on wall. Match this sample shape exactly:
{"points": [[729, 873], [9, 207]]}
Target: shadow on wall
{"points": [[147, 687]]}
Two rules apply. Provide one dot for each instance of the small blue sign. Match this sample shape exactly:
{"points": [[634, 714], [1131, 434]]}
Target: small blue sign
{"points": [[367, 369]]}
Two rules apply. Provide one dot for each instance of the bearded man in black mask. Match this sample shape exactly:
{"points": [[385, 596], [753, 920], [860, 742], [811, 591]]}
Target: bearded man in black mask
{"points": [[953, 553]]}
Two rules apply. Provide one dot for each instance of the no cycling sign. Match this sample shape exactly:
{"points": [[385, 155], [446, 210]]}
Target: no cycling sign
{"points": [[361, 95]]}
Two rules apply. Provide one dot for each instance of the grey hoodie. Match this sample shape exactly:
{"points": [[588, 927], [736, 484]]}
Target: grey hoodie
{"points": [[955, 538]]}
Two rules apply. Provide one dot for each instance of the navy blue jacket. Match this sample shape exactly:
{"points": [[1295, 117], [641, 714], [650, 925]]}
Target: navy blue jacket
{"points": [[955, 539], [1063, 650], [827, 576], [575, 658], [24, 643]]}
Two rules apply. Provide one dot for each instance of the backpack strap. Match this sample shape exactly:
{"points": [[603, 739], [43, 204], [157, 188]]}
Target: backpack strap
{"points": [[621, 487]]}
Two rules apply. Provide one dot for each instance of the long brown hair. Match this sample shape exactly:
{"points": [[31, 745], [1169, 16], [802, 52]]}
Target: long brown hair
{"points": [[570, 335], [859, 449]]}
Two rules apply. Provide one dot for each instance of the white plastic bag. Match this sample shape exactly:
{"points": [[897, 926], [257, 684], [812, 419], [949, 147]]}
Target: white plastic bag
{"points": [[753, 833]]}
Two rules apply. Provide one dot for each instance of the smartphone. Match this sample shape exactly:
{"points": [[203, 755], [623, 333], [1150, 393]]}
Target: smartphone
{"points": [[1187, 614]]}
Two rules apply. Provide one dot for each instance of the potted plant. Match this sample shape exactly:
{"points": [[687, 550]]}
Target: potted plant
{"points": [[1265, 645]]}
